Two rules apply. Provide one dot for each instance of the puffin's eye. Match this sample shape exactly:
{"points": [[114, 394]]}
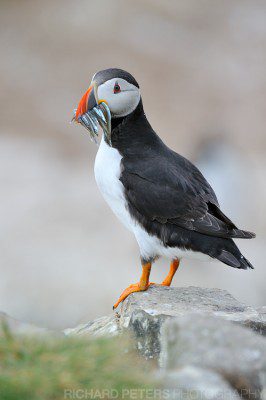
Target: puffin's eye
{"points": [[117, 88]]}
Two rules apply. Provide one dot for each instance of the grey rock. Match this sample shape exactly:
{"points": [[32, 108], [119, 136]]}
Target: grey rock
{"points": [[191, 382], [262, 313], [234, 352], [145, 328], [18, 327], [145, 313], [173, 301], [200, 337], [104, 326]]}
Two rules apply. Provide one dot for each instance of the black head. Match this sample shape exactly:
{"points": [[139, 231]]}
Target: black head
{"points": [[111, 73], [115, 87]]}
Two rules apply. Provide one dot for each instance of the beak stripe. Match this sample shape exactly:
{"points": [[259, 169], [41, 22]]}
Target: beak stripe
{"points": [[83, 104]]}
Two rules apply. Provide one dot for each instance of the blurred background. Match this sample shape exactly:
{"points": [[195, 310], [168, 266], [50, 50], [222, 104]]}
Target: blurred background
{"points": [[201, 64]]}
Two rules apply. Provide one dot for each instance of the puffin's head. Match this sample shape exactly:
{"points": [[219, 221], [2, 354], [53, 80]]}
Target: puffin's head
{"points": [[112, 87]]}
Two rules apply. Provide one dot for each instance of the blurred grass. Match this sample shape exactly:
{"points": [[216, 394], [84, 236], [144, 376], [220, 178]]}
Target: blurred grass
{"points": [[48, 368]]}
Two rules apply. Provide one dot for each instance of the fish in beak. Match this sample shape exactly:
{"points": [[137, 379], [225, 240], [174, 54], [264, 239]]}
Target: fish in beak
{"points": [[91, 113]]}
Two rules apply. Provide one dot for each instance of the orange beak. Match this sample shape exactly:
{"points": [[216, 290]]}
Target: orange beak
{"points": [[87, 102]]}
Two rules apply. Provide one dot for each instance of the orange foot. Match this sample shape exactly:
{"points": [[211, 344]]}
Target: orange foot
{"points": [[135, 287]]}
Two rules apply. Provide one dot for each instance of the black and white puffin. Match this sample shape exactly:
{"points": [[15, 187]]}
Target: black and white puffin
{"points": [[156, 193]]}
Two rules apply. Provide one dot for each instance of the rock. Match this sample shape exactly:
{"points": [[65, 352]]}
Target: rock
{"points": [[145, 313], [18, 327], [191, 382], [146, 329], [200, 337], [234, 352], [173, 301], [104, 326], [262, 312]]}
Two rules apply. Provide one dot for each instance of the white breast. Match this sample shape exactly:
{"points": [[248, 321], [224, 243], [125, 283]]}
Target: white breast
{"points": [[107, 170]]}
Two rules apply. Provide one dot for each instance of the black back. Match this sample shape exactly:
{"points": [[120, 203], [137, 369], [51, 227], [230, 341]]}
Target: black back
{"points": [[166, 193]]}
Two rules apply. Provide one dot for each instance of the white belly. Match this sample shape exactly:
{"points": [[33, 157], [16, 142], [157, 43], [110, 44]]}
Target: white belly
{"points": [[107, 170]]}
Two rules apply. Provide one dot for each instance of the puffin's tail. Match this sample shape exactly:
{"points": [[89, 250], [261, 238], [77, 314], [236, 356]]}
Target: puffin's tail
{"points": [[240, 234], [231, 255], [232, 230]]}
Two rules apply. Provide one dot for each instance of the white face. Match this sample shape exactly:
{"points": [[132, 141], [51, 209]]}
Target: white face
{"points": [[121, 96]]}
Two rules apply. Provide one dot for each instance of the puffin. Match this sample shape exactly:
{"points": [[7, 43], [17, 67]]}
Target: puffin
{"points": [[159, 195]]}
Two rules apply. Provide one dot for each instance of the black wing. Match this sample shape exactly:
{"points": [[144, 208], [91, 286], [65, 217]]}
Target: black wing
{"points": [[169, 189]]}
